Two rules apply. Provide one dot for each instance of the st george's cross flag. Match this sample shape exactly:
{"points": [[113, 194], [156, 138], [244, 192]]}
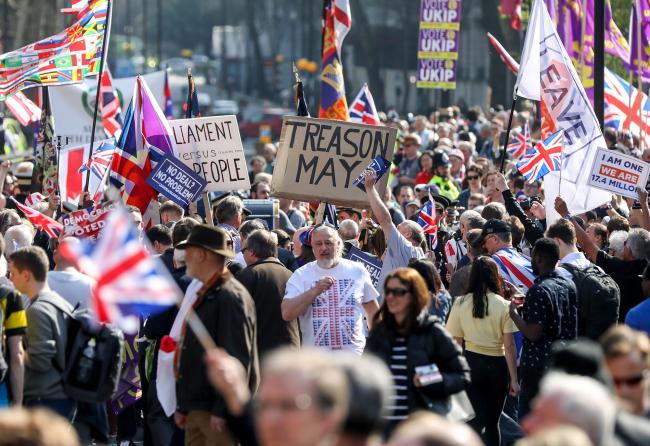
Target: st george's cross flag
{"points": [[65, 58], [546, 74], [543, 158], [362, 109], [131, 283], [74, 167], [520, 143]]}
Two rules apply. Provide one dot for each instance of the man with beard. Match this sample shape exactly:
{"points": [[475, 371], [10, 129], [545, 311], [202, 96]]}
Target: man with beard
{"points": [[329, 296]]}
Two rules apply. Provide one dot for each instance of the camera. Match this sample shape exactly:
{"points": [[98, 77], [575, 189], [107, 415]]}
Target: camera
{"points": [[527, 203]]}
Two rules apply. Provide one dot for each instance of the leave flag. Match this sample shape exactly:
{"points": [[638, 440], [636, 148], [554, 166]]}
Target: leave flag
{"points": [[543, 158], [65, 58], [110, 105], [568, 108], [624, 105], [520, 143], [427, 219], [192, 104], [146, 137], [336, 24], [131, 283], [52, 227], [45, 174], [24, 110], [363, 108]]}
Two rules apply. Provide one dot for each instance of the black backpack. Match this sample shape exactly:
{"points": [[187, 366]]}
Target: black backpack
{"points": [[93, 357], [599, 299]]}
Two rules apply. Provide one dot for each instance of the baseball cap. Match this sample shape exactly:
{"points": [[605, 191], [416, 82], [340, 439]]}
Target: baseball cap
{"points": [[492, 226]]}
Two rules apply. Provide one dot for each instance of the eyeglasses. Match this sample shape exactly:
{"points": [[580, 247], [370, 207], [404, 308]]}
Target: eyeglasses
{"points": [[473, 177], [629, 382], [397, 292]]}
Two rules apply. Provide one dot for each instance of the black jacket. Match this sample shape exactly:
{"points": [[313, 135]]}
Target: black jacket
{"points": [[533, 232], [228, 313], [427, 343]]}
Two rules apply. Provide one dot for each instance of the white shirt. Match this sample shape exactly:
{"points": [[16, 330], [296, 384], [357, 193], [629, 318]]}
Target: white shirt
{"points": [[334, 320], [576, 259], [73, 286]]}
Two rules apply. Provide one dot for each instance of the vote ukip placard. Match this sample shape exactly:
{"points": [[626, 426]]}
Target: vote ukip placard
{"points": [[212, 148], [319, 159], [438, 43]]}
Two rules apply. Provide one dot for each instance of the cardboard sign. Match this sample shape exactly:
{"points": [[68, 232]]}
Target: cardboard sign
{"points": [[380, 165], [86, 223], [371, 264], [176, 181], [319, 159], [212, 148], [618, 173]]}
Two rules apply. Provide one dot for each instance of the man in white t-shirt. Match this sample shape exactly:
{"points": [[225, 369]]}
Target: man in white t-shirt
{"points": [[329, 296]]}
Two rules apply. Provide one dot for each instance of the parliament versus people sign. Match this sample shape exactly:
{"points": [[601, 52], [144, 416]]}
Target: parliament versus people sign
{"points": [[319, 159], [212, 148], [618, 173]]}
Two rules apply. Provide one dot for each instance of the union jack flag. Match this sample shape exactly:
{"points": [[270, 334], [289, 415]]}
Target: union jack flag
{"points": [[520, 143], [545, 157], [100, 161], [427, 219], [515, 268], [146, 136], [334, 316], [32, 199], [363, 108], [623, 105], [110, 106], [52, 227], [130, 282]]}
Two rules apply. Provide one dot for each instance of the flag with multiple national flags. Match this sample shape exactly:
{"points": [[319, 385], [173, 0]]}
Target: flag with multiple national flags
{"points": [[337, 21], [544, 158], [65, 58], [362, 109]]}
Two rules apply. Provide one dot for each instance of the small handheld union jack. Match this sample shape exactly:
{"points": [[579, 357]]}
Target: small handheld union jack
{"points": [[520, 144], [427, 219], [543, 158], [363, 108]]}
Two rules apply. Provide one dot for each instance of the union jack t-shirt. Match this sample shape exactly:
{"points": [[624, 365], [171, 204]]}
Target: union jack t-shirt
{"points": [[334, 320]]}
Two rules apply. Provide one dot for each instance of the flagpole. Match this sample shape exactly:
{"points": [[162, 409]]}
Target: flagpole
{"points": [[638, 76], [505, 144], [99, 87]]}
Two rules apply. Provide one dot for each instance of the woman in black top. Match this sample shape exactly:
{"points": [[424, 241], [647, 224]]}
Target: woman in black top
{"points": [[405, 337]]}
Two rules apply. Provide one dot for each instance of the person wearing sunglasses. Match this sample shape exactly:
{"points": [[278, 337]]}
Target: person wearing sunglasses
{"points": [[627, 355], [471, 184], [426, 364]]}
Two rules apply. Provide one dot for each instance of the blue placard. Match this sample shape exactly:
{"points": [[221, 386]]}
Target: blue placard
{"points": [[370, 263], [379, 165], [176, 181]]}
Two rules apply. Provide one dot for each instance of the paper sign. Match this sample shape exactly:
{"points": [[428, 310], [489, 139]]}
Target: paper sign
{"points": [[380, 165], [212, 148], [86, 223], [371, 264], [618, 173], [176, 181], [319, 159]]}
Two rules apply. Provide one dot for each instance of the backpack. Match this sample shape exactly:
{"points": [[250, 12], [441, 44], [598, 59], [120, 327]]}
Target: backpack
{"points": [[598, 300], [93, 357]]}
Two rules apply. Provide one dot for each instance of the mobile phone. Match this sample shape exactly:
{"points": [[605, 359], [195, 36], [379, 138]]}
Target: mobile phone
{"points": [[428, 374]]}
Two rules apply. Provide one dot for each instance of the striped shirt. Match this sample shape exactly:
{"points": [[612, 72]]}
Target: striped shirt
{"points": [[399, 405]]}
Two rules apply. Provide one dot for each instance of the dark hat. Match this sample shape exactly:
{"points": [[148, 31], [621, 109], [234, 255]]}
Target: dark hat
{"points": [[492, 226], [212, 238], [441, 203], [581, 357], [349, 210]]}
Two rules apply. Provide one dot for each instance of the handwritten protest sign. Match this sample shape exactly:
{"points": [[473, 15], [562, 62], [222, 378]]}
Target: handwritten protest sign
{"points": [[319, 159], [618, 173], [212, 148], [176, 181], [438, 43], [371, 264], [86, 223]]}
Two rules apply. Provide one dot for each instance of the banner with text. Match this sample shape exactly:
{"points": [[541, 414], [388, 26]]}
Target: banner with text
{"points": [[176, 181], [371, 264], [86, 223], [438, 43], [618, 173], [212, 148], [319, 159]]}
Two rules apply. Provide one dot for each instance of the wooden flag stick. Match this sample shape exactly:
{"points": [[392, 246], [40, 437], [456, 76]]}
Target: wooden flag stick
{"points": [[99, 87], [208, 208]]}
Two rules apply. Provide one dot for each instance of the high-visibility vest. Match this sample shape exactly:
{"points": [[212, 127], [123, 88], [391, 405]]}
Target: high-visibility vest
{"points": [[447, 187]]}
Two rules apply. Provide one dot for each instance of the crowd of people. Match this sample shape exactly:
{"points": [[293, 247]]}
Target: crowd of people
{"points": [[507, 329]]}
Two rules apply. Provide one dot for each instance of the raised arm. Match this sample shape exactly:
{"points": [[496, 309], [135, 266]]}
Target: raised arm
{"points": [[645, 211], [379, 209], [588, 246]]}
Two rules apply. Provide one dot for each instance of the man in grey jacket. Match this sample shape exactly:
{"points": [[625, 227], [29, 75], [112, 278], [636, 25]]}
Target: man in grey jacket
{"points": [[47, 331]]}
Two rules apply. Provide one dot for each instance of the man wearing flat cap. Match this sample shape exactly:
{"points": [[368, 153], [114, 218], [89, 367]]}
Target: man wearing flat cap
{"points": [[227, 310]]}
